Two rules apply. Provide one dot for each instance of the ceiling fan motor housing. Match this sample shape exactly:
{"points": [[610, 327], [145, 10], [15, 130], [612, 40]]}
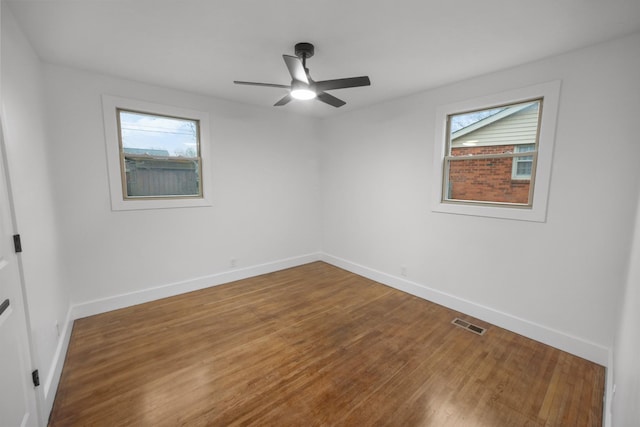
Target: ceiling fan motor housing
{"points": [[304, 50]]}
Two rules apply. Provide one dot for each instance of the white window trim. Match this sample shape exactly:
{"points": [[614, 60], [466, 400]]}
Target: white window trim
{"points": [[538, 210], [118, 202]]}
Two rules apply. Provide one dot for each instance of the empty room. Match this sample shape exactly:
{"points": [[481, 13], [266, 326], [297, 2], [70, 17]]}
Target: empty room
{"points": [[407, 213]]}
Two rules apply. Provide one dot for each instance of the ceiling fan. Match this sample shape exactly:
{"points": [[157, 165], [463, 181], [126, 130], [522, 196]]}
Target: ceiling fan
{"points": [[303, 86]]}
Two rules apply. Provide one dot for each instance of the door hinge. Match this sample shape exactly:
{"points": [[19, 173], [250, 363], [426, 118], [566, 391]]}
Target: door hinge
{"points": [[35, 376], [17, 243]]}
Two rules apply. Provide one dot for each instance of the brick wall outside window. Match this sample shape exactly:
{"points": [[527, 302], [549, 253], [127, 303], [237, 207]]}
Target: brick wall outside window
{"points": [[486, 179]]}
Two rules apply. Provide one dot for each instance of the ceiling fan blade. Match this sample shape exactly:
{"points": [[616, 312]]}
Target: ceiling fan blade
{"points": [[285, 100], [261, 84], [295, 68], [343, 83], [330, 99]]}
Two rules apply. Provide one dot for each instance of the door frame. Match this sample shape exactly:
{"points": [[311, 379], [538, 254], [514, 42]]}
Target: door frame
{"points": [[38, 394]]}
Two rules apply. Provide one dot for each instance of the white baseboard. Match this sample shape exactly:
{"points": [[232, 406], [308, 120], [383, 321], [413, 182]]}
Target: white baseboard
{"points": [[55, 369], [609, 393], [571, 344], [558, 339], [25, 420], [103, 305], [89, 308]]}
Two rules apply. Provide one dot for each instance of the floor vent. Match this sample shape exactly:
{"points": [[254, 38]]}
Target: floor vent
{"points": [[469, 326]]}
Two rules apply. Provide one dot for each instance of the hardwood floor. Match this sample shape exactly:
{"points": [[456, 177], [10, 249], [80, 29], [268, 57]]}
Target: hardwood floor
{"points": [[314, 345]]}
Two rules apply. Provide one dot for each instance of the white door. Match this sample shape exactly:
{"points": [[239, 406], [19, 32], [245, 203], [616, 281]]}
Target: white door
{"points": [[17, 393]]}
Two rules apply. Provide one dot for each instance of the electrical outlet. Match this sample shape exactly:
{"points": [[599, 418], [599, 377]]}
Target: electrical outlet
{"points": [[233, 263], [403, 270], [58, 329]]}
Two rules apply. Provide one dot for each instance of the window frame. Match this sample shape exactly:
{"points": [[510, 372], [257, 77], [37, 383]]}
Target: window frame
{"points": [[450, 158], [537, 209], [112, 105], [123, 157]]}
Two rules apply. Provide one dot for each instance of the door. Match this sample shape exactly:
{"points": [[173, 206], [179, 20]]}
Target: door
{"points": [[17, 393]]}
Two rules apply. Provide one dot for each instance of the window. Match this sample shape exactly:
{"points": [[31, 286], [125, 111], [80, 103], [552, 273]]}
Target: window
{"points": [[479, 169], [159, 155], [522, 166], [480, 154], [156, 155]]}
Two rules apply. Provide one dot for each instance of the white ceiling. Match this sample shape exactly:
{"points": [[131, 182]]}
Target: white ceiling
{"points": [[404, 46]]}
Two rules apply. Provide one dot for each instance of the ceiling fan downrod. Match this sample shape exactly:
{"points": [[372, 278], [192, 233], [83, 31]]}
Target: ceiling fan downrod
{"points": [[303, 51]]}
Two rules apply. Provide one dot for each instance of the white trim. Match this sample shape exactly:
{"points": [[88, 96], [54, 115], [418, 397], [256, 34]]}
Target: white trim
{"points": [[57, 363], [25, 420], [558, 339], [609, 393], [118, 202], [89, 308], [34, 395], [546, 139], [102, 305]]}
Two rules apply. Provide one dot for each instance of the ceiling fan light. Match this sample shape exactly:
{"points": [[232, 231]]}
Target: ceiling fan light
{"points": [[303, 93]]}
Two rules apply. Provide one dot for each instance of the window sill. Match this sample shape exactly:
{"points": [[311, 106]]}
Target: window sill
{"points": [[520, 213]]}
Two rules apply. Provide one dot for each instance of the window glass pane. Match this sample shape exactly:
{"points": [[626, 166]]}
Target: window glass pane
{"points": [[485, 180], [524, 167], [161, 155], [525, 148], [480, 164], [460, 121], [158, 135]]}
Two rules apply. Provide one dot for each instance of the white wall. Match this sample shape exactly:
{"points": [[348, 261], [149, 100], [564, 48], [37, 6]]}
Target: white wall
{"points": [[37, 220], [265, 195], [368, 190], [265, 211], [626, 411], [563, 277]]}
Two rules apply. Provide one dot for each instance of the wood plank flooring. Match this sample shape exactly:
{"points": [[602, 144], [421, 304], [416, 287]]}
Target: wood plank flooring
{"points": [[314, 345]]}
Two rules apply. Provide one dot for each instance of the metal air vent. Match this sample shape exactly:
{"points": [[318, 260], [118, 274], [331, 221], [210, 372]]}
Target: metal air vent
{"points": [[469, 326]]}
